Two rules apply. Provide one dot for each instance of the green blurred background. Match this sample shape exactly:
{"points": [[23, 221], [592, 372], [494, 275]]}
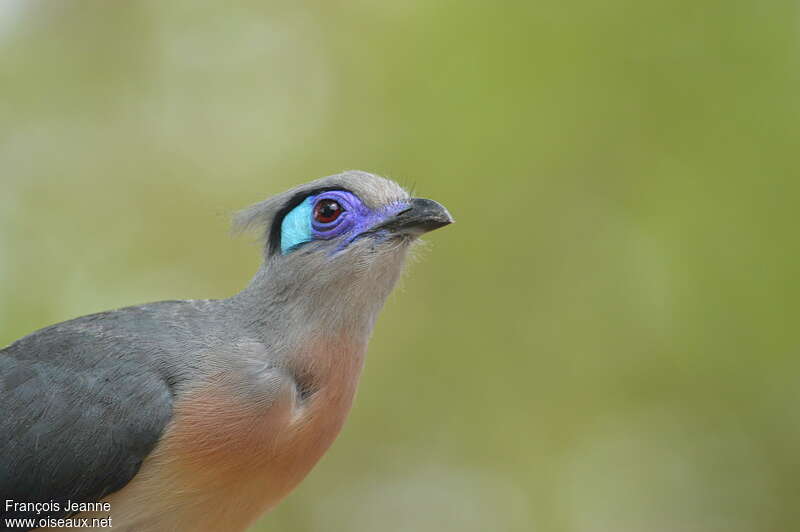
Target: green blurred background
{"points": [[606, 341]]}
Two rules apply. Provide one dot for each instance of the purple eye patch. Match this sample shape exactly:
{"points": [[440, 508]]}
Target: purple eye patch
{"points": [[302, 224]]}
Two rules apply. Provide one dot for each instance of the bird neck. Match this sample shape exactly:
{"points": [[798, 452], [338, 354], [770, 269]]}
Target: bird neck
{"points": [[300, 309]]}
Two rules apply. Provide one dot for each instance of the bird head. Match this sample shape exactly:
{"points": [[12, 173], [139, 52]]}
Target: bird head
{"points": [[344, 236]]}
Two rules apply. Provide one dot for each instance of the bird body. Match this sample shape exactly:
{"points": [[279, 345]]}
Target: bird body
{"points": [[202, 415]]}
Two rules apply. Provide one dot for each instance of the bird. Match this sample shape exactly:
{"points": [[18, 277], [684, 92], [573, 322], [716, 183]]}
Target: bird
{"points": [[203, 415]]}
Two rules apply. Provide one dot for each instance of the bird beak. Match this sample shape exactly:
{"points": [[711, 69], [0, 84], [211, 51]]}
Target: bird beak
{"points": [[421, 216]]}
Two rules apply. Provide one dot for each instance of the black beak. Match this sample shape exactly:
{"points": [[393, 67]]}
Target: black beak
{"points": [[421, 216]]}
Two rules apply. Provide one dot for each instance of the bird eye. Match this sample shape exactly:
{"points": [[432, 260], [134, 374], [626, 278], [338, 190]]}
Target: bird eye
{"points": [[327, 211]]}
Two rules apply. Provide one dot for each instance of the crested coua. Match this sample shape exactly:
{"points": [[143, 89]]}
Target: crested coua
{"points": [[203, 415]]}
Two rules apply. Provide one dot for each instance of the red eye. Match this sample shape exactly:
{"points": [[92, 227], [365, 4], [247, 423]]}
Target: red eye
{"points": [[327, 210]]}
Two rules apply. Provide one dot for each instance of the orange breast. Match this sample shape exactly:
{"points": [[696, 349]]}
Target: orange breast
{"points": [[224, 460]]}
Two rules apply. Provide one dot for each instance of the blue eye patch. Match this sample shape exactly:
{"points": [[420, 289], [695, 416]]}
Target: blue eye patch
{"points": [[296, 226]]}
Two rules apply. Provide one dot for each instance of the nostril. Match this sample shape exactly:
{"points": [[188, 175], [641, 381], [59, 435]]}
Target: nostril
{"points": [[404, 211]]}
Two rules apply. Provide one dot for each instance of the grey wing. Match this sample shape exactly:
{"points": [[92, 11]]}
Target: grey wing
{"points": [[72, 429]]}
